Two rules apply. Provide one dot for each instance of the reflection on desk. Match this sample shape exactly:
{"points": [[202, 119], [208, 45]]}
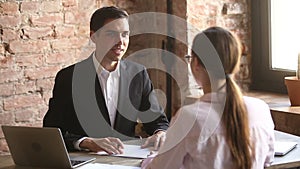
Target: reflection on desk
{"points": [[292, 159]]}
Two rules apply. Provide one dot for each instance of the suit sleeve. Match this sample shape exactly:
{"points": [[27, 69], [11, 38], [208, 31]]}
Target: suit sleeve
{"points": [[152, 116], [59, 106]]}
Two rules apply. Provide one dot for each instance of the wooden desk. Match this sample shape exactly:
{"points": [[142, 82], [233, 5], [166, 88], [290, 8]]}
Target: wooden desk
{"points": [[287, 119], [292, 159], [6, 162]]}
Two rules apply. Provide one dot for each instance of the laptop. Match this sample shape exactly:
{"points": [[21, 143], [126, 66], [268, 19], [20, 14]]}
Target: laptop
{"points": [[40, 147], [283, 147]]}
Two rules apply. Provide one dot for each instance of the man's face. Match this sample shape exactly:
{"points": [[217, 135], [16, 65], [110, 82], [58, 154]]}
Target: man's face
{"points": [[112, 39]]}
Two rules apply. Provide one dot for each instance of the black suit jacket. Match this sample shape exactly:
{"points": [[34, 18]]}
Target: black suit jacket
{"points": [[78, 107]]}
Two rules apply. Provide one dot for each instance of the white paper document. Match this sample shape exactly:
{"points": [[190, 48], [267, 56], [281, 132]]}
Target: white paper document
{"points": [[106, 166], [132, 151]]}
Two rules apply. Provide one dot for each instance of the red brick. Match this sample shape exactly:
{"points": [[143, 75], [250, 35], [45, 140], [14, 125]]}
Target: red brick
{"points": [[125, 4], [232, 1], [236, 8], [38, 32], [9, 35], [1, 133], [195, 7], [3, 146], [2, 48], [68, 3], [48, 19], [60, 57], [25, 87], [22, 101], [6, 118], [77, 17], [1, 106], [211, 21], [50, 6], [42, 72], [46, 96], [241, 34], [65, 31], [10, 75], [8, 21], [25, 115], [42, 111], [83, 30], [6, 61], [196, 23], [83, 54], [202, 9], [29, 46], [86, 4], [6, 89], [105, 3], [9, 7], [232, 23], [45, 84], [30, 6], [211, 10], [71, 43], [29, 60], [35, 124]]}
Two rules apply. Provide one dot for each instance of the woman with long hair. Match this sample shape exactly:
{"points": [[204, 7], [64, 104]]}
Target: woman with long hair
{"points": [[224, 129]]}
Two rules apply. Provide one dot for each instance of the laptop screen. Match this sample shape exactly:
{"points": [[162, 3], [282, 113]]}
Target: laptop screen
{"points": [[38, 147]]}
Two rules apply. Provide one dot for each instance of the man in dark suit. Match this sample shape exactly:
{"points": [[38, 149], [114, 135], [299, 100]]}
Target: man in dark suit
{"points": [[96, 103]]}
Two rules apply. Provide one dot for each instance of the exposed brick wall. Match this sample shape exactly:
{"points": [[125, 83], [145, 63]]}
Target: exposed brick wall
{"points": [[38, 38], [231, 14]]}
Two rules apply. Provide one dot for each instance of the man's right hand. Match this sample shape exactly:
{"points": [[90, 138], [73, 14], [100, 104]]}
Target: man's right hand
{"points": [[110, 145]]}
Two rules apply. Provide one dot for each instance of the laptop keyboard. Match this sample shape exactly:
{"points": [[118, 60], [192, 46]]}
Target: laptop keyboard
{"points": [[75, 162]]}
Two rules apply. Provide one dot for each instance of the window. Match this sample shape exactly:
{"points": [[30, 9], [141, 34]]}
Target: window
{"points": [[285, 34], [274, 43]]}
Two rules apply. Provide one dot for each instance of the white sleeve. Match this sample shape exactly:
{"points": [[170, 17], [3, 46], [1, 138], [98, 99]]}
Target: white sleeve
{"points": [[76, 143]]}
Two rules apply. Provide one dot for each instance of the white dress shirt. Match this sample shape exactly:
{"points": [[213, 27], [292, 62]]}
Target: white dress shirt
{"points": [[186, 148], [109, 82]]}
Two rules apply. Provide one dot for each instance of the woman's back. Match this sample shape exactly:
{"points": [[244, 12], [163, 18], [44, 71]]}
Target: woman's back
{"points": [[223, 129], [187, 146], [214, 152]]}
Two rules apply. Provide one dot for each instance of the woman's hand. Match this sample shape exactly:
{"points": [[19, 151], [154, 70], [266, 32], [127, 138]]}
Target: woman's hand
{"points": [[158, 139]]}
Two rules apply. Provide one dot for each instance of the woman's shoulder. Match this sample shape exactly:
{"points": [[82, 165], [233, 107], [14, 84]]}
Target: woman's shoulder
{"points": [[258, 112], [193, 112], [255, 102], [197, 107]]}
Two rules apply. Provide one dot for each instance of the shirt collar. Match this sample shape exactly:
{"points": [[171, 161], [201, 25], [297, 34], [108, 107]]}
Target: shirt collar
{"points": [[213, 97], [99, 66]]}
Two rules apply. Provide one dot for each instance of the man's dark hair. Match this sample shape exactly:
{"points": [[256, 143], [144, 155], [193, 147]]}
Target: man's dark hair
{"points": [[102, 14]]}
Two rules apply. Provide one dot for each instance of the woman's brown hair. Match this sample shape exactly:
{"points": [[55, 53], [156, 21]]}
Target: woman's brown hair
{"points": [[235, 116]]}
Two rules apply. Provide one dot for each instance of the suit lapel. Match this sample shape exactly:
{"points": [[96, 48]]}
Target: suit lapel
{"points": [[126, 113], [88, 100], [101, 101], [122, 97]]}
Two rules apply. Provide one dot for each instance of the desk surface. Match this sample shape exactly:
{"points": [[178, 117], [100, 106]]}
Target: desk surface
{"points": [[292, 159]]}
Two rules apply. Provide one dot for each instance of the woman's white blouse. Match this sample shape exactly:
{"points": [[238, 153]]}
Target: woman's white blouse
{"points": [[196, 138]]}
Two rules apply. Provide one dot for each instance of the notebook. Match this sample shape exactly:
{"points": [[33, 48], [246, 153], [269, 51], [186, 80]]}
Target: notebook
{"points": [[40, 147], [283, 147]]}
